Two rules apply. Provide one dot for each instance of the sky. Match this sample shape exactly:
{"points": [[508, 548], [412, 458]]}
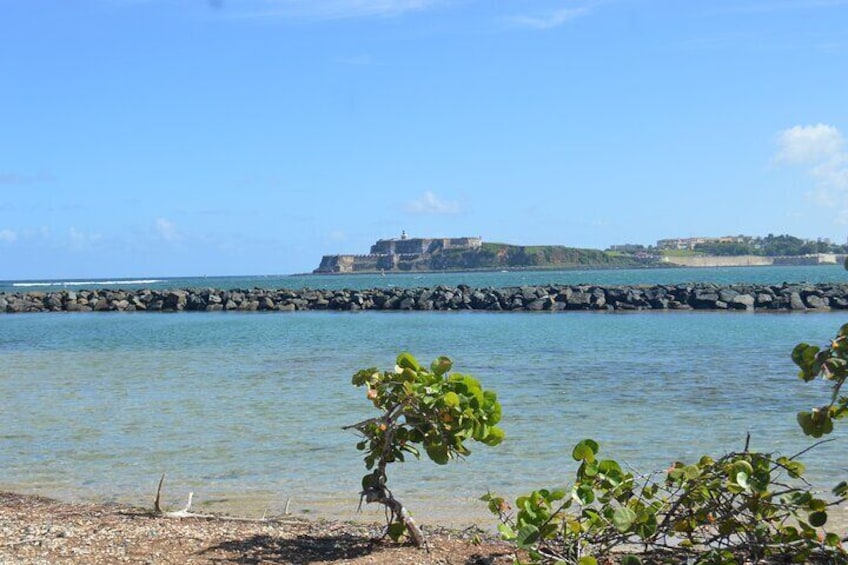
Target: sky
{"points": [[235, 137]]}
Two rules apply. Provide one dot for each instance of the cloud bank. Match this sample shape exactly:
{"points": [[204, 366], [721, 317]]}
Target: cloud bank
{"points": [[548, 20], [821, 150], [429, 203]]}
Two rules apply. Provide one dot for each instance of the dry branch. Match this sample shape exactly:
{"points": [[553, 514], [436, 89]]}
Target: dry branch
{"points": [[186, 511]]}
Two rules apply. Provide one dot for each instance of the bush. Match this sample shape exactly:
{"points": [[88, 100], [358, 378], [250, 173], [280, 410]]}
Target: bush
{"points": [[742, 507], [420, 408]]}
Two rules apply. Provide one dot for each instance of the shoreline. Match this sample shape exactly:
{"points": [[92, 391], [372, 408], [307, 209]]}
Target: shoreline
{"points": [[35, 529], [798, 297], [459, 513]]}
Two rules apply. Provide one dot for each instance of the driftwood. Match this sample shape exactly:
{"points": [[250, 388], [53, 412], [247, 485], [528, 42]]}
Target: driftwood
{"points": [[186, 511]]}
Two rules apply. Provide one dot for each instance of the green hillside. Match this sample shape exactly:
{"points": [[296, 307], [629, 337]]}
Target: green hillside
{"points": [[502, 256]]}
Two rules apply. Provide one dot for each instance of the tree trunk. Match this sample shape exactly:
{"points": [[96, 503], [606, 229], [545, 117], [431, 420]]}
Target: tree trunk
{"points": [[399, 513]]}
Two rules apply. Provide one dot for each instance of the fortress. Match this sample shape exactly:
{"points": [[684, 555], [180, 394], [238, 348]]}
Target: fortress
{"points": [[397, 254]]}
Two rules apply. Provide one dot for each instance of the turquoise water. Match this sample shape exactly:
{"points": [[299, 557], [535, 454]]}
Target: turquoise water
{"points": [[246, 409], [730, 275]]}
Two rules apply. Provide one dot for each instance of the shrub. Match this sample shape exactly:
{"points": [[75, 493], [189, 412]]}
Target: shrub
{"points": [[742, 507], [420, 408]]}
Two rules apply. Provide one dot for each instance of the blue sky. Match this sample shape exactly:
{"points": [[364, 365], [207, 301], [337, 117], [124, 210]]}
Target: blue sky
{"points": [[192, 137]]}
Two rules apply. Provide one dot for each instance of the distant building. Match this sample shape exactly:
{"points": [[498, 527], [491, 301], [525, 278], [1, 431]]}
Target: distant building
{"points": [[387, 254], [691, 242], [627, 248]]}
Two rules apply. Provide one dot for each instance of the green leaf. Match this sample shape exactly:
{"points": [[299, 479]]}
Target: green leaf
{"points": [[630, 560], [816, 423], [527, 535], [584, 494], [832, 540], [817, 504], [506, 531], [691, 472], [804, 355], [441, 365], [363, 376], [407, 361], [451, 399], [587, 560], [370, 481], [623, 518], [608, 466], [818, 519], [438, 453], [558, 494], [585, 451], [495, 436]]}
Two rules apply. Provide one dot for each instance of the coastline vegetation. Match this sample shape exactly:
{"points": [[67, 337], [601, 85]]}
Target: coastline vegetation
{"points": [[506, 256], [771, 246], [741, 507]]}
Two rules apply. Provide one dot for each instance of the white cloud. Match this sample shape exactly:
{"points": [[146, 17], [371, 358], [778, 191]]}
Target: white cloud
{"points": [[166, 230], [429, 203], [809, 144], [820, 149], [8, 236], [548, 20]]}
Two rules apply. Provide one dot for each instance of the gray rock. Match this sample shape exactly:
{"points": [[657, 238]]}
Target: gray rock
{"points": [[727, 295], [537, 305], [795, 302], [743, 302], [817, 302], [579, 301], [704, 300]]}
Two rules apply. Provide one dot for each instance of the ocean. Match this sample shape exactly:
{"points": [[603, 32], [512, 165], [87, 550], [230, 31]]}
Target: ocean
{"points": [[247, 409]]}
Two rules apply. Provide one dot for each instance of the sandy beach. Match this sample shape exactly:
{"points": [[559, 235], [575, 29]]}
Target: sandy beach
{"points": [[36, 530]]}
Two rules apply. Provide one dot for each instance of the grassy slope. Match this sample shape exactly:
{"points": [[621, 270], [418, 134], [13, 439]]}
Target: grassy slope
{"points": [[502, 255]]}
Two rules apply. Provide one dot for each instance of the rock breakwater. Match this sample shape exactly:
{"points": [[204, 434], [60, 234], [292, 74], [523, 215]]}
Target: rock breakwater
{"points": [[555, 298]]}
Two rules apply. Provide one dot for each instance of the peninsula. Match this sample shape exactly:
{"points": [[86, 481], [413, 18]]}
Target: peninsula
{"points": [[406, 254]]}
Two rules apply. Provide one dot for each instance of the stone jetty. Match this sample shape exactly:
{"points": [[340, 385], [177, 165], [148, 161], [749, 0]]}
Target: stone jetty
{"points": [[543, 298]]}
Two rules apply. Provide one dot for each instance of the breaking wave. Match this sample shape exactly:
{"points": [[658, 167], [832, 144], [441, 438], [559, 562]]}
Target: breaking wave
{"points": [[87, 283]]}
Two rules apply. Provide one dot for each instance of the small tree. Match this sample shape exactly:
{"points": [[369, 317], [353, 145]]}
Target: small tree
{"points": [[420, 407]]}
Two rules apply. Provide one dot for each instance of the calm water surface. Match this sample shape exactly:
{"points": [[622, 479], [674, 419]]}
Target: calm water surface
{"points": [[729, 275], [246, 409]]}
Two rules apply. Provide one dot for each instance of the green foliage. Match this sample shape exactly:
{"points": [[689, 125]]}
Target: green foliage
{"points": [[742, 506], [727, 249], [424, 409], [500, 255], [781, 245], [831, 364], [770, 246]]}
